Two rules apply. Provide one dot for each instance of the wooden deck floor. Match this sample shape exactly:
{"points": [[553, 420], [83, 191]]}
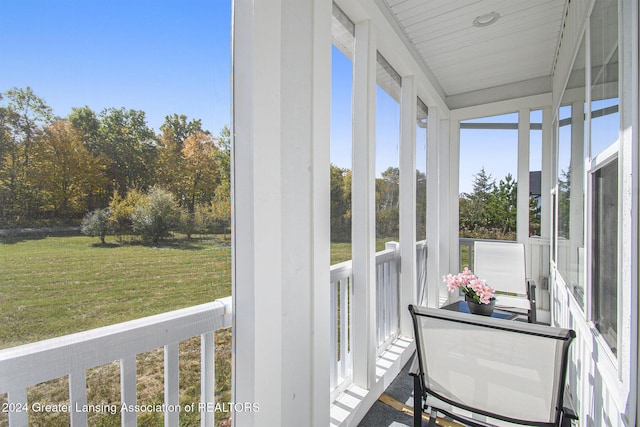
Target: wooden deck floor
{"points": [[395, 407]]}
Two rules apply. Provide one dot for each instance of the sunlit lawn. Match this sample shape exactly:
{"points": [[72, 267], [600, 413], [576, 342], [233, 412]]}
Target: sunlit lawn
{"points": [[53, 286], [59, 285], [342, 251]]}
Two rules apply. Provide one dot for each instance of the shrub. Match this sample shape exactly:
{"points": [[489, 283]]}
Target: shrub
{"points": [[122, 210], [187, 223], [156, 216], [96, 223]]}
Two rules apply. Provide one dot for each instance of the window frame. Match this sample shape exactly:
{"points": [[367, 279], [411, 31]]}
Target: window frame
{"points": [[605, 158]]}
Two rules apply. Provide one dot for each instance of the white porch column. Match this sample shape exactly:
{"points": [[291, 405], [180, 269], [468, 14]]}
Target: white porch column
{"points": [[280, 170], [434, 206], [408, 113], [547, 173], [450, 218], [576, 194], [363, 221], [522, 204]]}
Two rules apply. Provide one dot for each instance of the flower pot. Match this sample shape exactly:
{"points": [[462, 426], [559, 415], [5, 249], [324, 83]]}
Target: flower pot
{"points": [[481, 309]]}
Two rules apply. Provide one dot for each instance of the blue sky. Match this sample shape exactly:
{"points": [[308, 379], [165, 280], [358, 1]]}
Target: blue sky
{"points": [[160, 57], [496, 151], [174, 57]]}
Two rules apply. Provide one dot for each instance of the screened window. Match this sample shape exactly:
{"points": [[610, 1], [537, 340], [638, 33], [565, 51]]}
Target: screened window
{"points": [[488, 171], [387, 167], [421, 171], [564, 171], [341, 135], [535, 172], [571, 191], [605, 131], [605, 118], [604, 275], [586, 207]]}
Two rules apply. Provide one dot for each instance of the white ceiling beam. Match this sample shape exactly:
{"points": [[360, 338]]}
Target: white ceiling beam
{"points": [[537, 86]]}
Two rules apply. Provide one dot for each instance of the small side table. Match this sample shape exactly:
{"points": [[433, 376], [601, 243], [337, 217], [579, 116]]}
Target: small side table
{"points": [[463, 307]]}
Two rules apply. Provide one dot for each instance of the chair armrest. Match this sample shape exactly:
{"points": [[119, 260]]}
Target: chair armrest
{"points": [[531, 294], [414, 370]]}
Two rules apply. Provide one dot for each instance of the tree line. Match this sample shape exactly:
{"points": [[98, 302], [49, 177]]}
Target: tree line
{"points": [[490, 211], [387, 204], [112, 165], [56, 170]]}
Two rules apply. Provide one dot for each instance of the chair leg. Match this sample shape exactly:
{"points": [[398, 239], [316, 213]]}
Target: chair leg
{"points": [[433, 417], [417, 402], [532, 299]]}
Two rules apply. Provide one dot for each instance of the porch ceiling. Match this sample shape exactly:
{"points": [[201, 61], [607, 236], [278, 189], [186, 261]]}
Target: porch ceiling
{"points": [[518, 51]]}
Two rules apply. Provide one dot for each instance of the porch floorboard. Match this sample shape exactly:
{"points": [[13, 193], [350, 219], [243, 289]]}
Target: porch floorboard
{"points": [[381, 414]]}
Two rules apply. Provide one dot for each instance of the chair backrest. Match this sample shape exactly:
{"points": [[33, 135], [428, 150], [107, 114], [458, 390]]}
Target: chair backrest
{"points": [[502, 265], [512, 371]]}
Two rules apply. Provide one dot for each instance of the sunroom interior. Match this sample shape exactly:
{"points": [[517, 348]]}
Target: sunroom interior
{"points": [[562, 73]]}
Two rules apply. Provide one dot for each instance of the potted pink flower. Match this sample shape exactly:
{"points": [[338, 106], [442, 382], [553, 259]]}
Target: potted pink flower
{"points": [[479, 295]]}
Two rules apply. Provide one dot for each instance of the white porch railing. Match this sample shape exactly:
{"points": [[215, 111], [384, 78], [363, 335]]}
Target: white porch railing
{"points": [[387, 298], [70, 356], [341, 297], [387, 308]]}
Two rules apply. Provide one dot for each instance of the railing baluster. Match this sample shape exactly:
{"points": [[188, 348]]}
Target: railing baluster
{"points": [[128, 393], [18, 413], [333, 379], [343, 327], [349, 362], [383, 298], [384, 294], [379, 311], [78, 397], [394, 291], [171, 383], [207, 373]]}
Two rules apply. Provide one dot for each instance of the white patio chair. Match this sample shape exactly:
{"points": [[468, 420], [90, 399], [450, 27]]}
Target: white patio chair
{"points": [[483, 371], [502, 265]]}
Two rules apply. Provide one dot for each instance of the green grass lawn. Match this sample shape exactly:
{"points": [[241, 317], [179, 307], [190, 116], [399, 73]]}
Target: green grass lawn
{"points": [[59, 285], [54, 286], [342, 251]]}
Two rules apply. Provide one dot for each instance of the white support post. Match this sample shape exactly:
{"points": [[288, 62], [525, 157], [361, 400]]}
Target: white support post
{"points": [[408, 113], [522, 203], [434, 205], [128, 392], [450, 190], [363, 227], [629, 164], [547, 173], [78, 397], [207, 379], [17, 400], [281, 110], [576, 195], [171, 382]]}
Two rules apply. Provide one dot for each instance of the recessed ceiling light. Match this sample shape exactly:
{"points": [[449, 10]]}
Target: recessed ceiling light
{"points": [[486, 19]]}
